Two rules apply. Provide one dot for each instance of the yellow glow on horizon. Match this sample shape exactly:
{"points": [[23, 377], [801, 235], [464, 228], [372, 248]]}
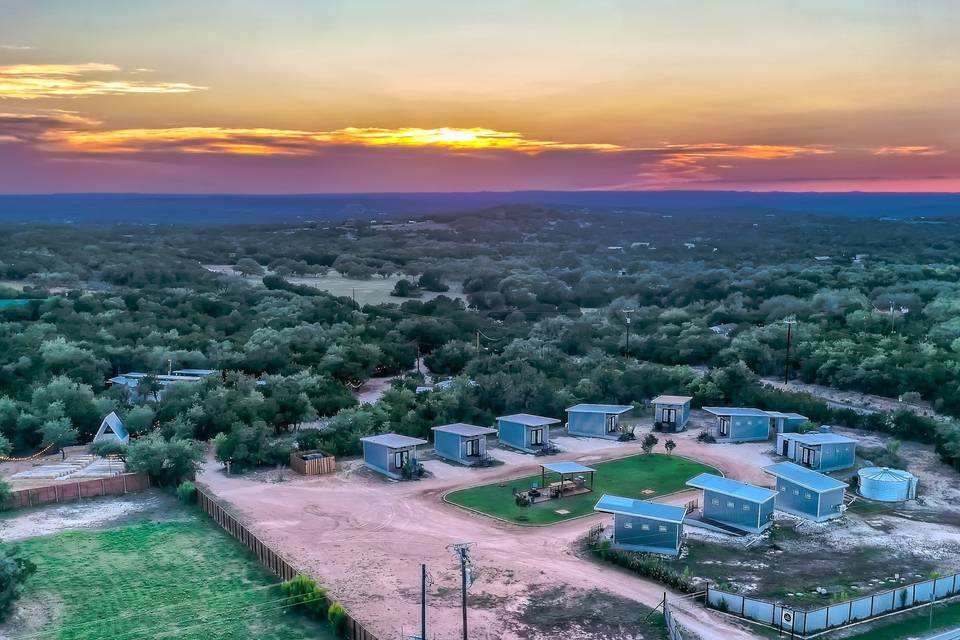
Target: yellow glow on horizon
{"points": [[35, 81]]}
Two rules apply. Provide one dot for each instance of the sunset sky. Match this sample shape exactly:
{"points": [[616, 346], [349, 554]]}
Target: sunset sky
{"points": [[311, 96]]}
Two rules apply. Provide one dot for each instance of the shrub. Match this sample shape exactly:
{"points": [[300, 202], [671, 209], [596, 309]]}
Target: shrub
{"points": [[106, 448], [308, 440], [14, 570], [646, 565], [306, 596], [337, 617], [167, 462], [187, 492], [5, 492], [706, 438], [649, 442], [669, 445], [627, 436]]}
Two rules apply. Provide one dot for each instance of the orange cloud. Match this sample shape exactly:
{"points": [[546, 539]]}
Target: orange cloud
{"points": [[265, 141], [34, 81], [908, 151]]}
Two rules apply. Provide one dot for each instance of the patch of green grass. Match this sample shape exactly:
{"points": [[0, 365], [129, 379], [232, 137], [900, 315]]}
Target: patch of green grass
{"points": [[375, 290], [912, 625], [627, 477], [184, 578]]}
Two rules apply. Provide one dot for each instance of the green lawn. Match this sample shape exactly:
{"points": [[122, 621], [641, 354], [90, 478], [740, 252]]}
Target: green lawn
{"points": [[627, 477], [181, 578], [913, 625]]}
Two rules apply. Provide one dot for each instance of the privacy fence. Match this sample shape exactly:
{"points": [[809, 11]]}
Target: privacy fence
{"points": [[804, 623], [276, 563], [73, 491]]}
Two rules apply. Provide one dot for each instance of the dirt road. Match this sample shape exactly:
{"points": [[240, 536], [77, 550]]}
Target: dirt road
{"points": [[366, 538]]}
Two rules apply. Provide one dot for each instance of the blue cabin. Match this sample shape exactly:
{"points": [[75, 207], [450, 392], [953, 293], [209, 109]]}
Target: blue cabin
{"points": [[740, 424], [787, 422], [596, 420], [525, 432], [671, 413], [639, 525], [806, 493], [389, 452], [735, 504], [463, 443], [819, 451]]}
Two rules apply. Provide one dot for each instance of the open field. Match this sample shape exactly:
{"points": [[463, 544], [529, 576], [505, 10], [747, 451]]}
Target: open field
{"points": [[641, 476], [374, 290], [170, 573]]}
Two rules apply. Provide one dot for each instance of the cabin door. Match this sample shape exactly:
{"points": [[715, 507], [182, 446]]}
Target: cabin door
{"points": [[786, 448], [668, 415], [536, 436], [724, 427], [612, 424], [473, 448], [808, 456], [401, 458]]}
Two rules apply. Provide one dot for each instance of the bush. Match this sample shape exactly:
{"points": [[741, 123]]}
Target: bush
{"points": [[646, 565], [337, 617], [627, 436], [308, 440], [106, 448], [167, 462], [187, 492], [306, 596], [14, 570], [706, 438], [5, 492], [649, 442]]}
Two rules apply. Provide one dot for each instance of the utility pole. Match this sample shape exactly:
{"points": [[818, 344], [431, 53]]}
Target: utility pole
{"points": [[423, 602], [627, 312], [354, 295], [462, 551], [786, 361]]}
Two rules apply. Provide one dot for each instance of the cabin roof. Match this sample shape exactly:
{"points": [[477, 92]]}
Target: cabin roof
{"points": [[671, 400], [600, 408], [640, 508], [529, 420], [806, 478], [465, 430], [394, 440], [733, 488]]}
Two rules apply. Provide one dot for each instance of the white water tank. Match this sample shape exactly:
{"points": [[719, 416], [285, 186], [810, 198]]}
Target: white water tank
{"points": [[887, 485]]}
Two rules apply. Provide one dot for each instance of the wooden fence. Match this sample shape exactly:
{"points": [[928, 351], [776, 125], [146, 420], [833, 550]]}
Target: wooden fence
{"points": [[314, 466], [276, 563], [74, 491]]}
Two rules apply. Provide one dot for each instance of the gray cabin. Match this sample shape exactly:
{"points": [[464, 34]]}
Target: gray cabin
{"points": [[671, 413], [648, 527], [525, 432], [818, 451], [740, 424], [805, 493], [596, 420], [787, 422], [389, 452], [463, 443], [733, 504]]}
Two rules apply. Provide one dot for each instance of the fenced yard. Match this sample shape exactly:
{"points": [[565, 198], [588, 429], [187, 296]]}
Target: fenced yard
{"points": [[641, 476], [175, 576]]}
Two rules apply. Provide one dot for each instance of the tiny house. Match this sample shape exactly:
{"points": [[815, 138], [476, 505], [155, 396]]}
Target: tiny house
{"points": [[596, 420], [525, 432], [819, 451], [112, 429], [787, 422], [671, 413], [648, 527], [735, 504], [806, 493], [388, 453], [740, 424], [463, 443]]}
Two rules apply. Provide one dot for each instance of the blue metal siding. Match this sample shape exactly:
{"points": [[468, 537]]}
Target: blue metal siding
{"points": [[837, 456], [513, 434], [749, 428], [806, 503], [589, 424], [735, 512], [377, 457], [629, 533], [447, 445]]}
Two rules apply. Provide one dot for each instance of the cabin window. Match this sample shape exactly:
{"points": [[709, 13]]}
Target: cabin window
{"points": [[662, 529], [730, 505], [808, 496], [536, 436], [796, 492], [715, 502], [746, 507], [628, 525], [645, 527]]}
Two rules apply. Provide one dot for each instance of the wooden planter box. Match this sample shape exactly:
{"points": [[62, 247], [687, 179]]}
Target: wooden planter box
{"points": [[312, 463]]}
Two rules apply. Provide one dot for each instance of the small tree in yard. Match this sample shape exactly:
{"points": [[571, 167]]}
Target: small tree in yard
{"points": [[106, 448], [649, 442], [669, 445], [248, 267], [167, 462], [5, 492]]}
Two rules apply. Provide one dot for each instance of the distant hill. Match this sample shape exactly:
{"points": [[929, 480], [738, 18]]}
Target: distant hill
{"points": [[237, 209]]}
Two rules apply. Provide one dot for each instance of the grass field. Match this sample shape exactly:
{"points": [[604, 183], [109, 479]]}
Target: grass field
{"points": [[180, 578], [912, 625], [628, 477]]}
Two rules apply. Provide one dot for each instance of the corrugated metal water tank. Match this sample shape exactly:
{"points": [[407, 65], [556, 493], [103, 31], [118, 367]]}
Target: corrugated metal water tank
{"points": [[887, 485]]}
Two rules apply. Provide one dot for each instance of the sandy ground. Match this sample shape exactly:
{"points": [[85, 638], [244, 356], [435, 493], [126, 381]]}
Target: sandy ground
{"points": [[94, 513], [366, 537]]}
